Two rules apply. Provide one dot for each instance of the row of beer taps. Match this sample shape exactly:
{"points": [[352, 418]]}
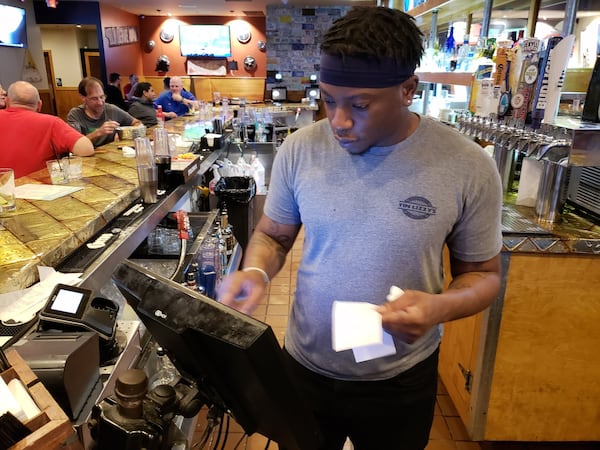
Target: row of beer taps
{"points": [[549, 142]]}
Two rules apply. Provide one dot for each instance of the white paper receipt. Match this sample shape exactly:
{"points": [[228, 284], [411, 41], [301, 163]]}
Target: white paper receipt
{"points": [[357, 326]]}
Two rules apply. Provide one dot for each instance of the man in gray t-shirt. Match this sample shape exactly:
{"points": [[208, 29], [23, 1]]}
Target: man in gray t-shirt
{"points": [[95, 118], [380, 192]]}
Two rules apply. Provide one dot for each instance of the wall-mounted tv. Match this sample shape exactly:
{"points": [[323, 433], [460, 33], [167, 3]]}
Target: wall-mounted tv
{"points": [[13, 27], [205, 41]]}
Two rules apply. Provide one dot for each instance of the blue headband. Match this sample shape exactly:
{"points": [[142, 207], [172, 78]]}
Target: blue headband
{"points": [[362, 72]]}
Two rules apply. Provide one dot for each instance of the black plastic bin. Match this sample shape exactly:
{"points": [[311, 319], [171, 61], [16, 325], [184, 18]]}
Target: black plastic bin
{"points": [[237, 193]]}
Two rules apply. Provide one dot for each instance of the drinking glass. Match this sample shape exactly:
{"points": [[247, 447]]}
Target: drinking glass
{"points": [[7, 191], [58, 170], [161, 142], [143, 152], [75, 164]]}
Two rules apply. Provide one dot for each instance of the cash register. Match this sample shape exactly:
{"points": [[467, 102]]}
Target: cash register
{"points": [[75, 334]]}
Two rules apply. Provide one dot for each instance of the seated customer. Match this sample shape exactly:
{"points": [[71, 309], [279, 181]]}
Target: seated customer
{"points": [[28, 138], [142, 106], [175, 102], [166, 84], [128, 88], [113, 91], [95, 118]]}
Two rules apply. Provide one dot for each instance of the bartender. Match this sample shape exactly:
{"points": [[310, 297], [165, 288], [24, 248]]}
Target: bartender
{"points": [[95, 118]]}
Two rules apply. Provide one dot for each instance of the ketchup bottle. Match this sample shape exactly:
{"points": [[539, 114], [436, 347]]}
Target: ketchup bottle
{"points": [[160, 115]]}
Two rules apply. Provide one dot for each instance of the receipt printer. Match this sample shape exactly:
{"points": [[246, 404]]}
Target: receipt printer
{"points": [[67, 363]]}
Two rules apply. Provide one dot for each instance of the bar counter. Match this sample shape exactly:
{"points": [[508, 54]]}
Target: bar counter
{"points": [[44, 232], [526, 368], [573, 234]]}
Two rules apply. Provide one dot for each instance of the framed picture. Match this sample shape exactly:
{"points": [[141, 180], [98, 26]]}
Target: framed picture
{"points": [[121, 35]]}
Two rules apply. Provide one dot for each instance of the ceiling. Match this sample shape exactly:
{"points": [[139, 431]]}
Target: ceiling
{"points": [[551, 10], [217, 7]]}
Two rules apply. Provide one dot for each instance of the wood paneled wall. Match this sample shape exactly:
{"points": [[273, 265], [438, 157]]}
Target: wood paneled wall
{"points": [[66, 98], [47, 104], [157, 83], [252, 89]]}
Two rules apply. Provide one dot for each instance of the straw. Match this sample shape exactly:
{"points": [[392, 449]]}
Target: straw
{"points": [[56, 156]]}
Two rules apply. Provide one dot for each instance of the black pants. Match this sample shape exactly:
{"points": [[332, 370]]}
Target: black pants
{"points": [[394, 414]]}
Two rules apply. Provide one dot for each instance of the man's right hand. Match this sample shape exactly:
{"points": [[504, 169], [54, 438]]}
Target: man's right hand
{"points": [[108, 127]]}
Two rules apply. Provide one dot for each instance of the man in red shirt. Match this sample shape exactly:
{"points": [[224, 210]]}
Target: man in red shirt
{"points": [[28, 138], [2, 97]]}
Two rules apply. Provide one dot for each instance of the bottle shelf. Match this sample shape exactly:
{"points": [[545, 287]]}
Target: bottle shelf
{"points": [[456, 78]]}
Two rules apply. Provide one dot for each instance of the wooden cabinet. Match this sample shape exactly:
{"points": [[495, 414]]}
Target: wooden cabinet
{"points": [[51, 428], [527, 369]]}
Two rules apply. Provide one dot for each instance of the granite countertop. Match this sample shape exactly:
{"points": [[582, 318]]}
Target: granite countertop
{"points": [[44, 232], [571, 234]]}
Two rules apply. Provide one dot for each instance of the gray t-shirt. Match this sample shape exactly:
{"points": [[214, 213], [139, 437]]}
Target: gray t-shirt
{"points": [[376, 220], [83, 123]]}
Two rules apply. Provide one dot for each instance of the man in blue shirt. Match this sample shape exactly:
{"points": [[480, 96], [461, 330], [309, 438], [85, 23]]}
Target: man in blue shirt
{"points": [[176, 101]]}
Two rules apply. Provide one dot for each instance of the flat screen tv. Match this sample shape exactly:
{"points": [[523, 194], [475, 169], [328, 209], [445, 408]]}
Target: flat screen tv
{"points": [[234, 359], [205, 41], [13, 27]]}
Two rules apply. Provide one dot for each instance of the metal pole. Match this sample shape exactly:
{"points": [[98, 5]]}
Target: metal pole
{"points": [[487, 16], [469, 23], [534, 10], [571, 8], [433, 29]]}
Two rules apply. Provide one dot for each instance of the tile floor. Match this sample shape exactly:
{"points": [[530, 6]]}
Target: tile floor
{"points": [[448, 431]]}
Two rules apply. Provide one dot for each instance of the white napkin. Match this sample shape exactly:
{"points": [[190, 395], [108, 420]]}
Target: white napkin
{"points": [[128, 152]]}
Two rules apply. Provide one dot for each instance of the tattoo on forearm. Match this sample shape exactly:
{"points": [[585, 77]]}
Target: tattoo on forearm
{"points": [[283, 239]]}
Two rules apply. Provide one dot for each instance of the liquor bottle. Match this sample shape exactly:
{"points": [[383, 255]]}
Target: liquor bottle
{"points": [[165, 371], [160, 115], [450, 41], [229, 240], [224, 217], [450, 50], [210, 264]]}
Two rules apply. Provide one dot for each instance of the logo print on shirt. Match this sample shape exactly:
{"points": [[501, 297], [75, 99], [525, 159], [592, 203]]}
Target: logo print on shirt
{"points": [[418, 208]]}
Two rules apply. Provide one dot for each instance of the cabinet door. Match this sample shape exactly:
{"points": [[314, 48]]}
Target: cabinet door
{"points": [[458, 355], [457, 361]]}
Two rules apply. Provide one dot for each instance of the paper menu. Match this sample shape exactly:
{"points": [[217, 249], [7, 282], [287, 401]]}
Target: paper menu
{"points": [[44, 191]]}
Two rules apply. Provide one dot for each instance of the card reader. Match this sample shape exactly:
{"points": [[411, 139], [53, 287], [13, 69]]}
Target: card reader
{"points": [[71, 308]]}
